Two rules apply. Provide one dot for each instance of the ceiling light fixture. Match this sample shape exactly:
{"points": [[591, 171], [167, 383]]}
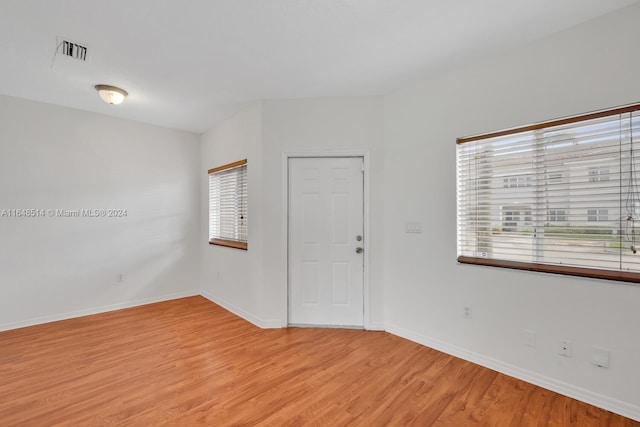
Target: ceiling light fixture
{"points": [[111, 94]]}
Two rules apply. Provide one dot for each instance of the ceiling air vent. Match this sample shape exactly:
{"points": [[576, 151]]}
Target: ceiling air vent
{"points": [[73, 50]]}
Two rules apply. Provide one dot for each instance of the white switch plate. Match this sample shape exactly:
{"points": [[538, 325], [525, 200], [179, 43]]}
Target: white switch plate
{"points": [[413, 227], [467, 311], [530, 338]]}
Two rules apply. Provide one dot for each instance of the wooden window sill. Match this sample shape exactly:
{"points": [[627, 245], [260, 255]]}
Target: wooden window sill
{"points": [[623, 276], [229, 243]]}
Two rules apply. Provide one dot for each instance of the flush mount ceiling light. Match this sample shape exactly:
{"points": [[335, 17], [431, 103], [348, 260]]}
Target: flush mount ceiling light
{"points": [[111, 94]]}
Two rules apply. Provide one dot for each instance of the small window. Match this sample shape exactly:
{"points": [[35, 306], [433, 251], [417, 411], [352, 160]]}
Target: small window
{"points": [[598, 174], [555, 178], [557, 215], [597, 215], [228, 205], [517, 181], [516, 218]]}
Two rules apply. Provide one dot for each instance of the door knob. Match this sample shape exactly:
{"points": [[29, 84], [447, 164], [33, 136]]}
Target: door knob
{"points": [[359, 250]]}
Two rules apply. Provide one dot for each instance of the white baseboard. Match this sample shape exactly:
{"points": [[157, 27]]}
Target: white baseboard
{"points": [[95, 310], [617, 406], [261, 323], [273, 324], [374, 326]]}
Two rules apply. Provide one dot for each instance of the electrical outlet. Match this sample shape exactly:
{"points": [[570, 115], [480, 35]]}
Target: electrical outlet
{"points": [[565, 348], [530, 338], [119, 277], [467, 312], [600, 357]]}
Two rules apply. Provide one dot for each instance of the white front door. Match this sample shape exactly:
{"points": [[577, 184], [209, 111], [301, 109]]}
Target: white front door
{"points": [[326, 236]]}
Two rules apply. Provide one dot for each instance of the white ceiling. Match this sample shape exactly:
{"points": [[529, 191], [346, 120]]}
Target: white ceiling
{"points": [[187, 64]]}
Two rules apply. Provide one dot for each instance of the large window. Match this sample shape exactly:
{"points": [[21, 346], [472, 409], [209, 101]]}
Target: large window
{"points": [[561, 196], [228, 205]]}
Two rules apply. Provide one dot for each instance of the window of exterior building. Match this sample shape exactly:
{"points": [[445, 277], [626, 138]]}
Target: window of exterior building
{"points": [[598, 174], [595, 215], [517, 181], [555, 177], [557, 215]]}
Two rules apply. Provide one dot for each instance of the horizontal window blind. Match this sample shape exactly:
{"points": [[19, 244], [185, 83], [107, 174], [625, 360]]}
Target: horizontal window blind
{"points": [[561, 197], [228, 216]]}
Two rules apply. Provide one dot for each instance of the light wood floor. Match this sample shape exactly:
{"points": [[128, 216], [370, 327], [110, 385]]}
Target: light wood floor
{"points": [[189, 362]]}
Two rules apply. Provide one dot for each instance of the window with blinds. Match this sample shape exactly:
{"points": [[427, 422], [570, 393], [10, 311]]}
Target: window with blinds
{"points": [[228, 205], [560, 197]]}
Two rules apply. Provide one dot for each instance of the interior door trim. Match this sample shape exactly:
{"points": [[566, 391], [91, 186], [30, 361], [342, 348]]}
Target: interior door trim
{"points": [[364, 154]]}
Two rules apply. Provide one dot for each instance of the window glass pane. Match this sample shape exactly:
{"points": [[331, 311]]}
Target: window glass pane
{"points": [[563, 195], [228, 218]]}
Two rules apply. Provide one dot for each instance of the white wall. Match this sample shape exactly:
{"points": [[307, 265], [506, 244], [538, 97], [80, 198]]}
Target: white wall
{"points": [[58, 158], [253, 284], [593, 66], [319, 125], [233, 277]]}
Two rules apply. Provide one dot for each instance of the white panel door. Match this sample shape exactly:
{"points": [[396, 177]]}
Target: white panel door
{"points": [[326, 225]]}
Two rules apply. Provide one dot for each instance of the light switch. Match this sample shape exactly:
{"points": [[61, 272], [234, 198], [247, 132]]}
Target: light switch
{"points": [[413, 227]]}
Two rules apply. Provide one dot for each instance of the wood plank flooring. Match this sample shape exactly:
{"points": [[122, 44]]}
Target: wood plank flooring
{"points": [[188, 362]]}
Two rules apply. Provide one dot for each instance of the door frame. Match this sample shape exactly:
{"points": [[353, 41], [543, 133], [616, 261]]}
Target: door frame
{"points": [[364, 154]]}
